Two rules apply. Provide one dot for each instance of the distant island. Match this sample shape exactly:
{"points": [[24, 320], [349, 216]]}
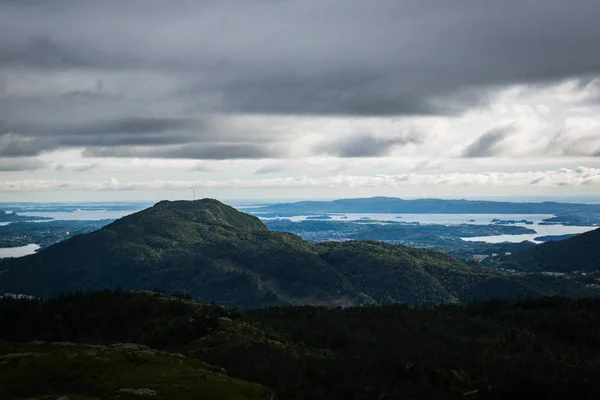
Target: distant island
{"points": [[574, 219], [511, 222], [319, 217], [394, 205], [14, 217]]}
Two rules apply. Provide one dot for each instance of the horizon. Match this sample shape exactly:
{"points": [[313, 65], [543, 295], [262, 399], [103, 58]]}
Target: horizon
{"points": [[581, 199]]}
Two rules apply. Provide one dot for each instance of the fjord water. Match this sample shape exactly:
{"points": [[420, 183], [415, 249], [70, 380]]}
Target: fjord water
{"points": [[474, 219], [18, 251], [80, 215]]}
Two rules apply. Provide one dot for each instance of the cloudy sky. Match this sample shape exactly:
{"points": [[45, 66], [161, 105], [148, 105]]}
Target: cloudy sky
{"points": [[151, 99]]}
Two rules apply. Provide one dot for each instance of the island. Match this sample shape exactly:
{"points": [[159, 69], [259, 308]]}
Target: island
{"points": [[14, 217], [511, 221], [319, 217], [574, 219]]}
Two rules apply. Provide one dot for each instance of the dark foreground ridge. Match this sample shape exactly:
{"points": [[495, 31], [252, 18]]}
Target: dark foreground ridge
{"points": [[547, 348], [221, 255]]}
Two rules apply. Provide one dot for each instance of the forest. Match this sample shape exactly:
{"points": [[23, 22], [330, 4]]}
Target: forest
{"points": [[526, 348]]}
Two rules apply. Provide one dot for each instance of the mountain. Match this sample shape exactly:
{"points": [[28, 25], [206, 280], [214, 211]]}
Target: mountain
{"points": [[423, 206], [579, 253], [219, 254], [94, 345]]}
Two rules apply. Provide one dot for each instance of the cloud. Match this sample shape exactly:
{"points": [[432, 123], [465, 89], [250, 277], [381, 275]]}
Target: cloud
{"points": [[489, 144], [75, 167], [20, 164], [396, 58], [13, 145], [190, 151], [427, 164], [283, 81], [365, 145], [273, 168], [210, 138], [577, 177], [582, 90], [580, 136]]}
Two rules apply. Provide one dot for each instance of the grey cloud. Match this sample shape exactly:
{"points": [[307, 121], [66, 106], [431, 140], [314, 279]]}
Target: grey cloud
{"points": [[152, 137], [75, 168], [571, 142], [336, 93], [366, 145], [272, 168], [190, 151], [427, 165], [12, 145], [488, 144], [20, 164], [202, 167]]}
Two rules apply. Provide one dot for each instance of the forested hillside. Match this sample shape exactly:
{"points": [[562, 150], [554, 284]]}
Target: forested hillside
{"points": [[535, 348], [579, 253], [224, 256]]}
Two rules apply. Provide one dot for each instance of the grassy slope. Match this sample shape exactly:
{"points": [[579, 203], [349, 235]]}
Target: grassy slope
{"points": [[52, 370]]}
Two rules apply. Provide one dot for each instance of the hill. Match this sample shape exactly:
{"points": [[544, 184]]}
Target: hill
{"points": [[218, 254], [535, 348], [579, 253]]}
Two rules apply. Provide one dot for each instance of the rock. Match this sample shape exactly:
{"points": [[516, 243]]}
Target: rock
{"points": [[144, 392], [63, 398], [129, 346]]}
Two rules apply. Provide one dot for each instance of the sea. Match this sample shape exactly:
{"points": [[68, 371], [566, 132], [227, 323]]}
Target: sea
{"points": [[18, 251], [475, 219]]}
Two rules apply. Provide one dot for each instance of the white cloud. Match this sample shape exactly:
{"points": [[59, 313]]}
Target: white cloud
{"points": [[580, 176]]}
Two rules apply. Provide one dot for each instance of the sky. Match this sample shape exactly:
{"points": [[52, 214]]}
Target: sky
{"points": [[148, 100]]}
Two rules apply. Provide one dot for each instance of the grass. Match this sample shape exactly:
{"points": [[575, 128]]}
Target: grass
{"points": [[50, 371]]}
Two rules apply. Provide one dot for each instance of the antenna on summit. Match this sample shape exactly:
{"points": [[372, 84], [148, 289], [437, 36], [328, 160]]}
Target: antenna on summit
{"points": [[194, 194]]}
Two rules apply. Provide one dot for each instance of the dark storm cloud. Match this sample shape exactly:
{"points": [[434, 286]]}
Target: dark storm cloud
{"points": [[365, 145], [343, 47], [141, 137], [488, 144], [12, 145], [311, 57]]}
